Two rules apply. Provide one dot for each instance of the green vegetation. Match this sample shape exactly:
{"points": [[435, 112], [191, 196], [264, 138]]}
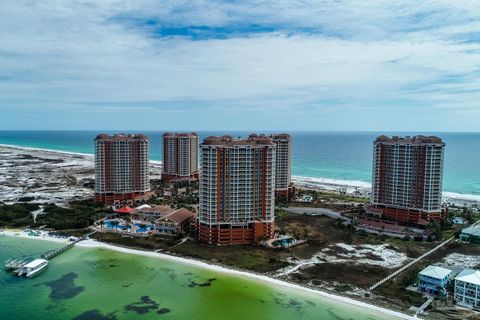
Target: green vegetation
{"points": [[17, 215], [79, 215], [470, 214], [280, 214], [343, 288], [147, 243], [341, 197], [281, 200], [184, 194], [329, 197], [255, 258]]}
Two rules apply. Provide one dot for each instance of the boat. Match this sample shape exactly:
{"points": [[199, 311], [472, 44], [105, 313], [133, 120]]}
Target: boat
{"points": [[14, 264], [8, 264], [32, 268]]}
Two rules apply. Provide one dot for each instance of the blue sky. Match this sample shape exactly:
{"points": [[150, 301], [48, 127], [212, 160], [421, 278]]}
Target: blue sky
{"points": [[256, 65]]}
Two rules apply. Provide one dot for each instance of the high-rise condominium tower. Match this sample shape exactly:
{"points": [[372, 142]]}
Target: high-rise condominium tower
{"points": [[283, 170], [180, 155], [407, 177], [237, 189], [121, 168]]}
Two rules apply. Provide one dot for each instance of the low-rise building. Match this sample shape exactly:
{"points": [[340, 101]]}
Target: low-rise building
{"points": [[145, 220], [471, 234], [152, 213], [124, 210], [433, 279], [177, 222], [467, 288]]}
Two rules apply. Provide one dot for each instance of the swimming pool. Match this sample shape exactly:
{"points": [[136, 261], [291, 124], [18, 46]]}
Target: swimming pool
{"points": [[143, 228], [115, 225]]}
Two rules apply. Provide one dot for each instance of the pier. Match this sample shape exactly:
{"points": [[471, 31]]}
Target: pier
{"points": [[405, 267], [16, 264], [420, 310], [58, 252]]}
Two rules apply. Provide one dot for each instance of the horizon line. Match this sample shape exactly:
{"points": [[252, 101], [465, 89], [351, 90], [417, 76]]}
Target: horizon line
{"points": [[229, 130]]}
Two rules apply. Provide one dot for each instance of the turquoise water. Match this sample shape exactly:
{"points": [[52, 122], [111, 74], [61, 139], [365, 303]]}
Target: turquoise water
{"points": [[100, 284], [334, 155]]}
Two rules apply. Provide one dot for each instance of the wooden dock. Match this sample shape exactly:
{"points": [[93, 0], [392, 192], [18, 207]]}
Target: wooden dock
{"points": [[420, 310], [57, 252], [405, 267]]}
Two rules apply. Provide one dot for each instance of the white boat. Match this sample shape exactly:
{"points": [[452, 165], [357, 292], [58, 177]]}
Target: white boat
{"points": [[14, 264], [32, 268]]}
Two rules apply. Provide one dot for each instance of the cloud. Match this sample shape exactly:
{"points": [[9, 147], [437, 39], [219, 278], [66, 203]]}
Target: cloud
{"points": [[239, 57]]}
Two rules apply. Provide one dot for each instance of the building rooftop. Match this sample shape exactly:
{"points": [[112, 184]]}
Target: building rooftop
{"points": [[125, 210], [143, 206], [229, 141], [180, 134], [280, 136], [473, 230], [163, 210], [420, 139], [469, 275], [121, 137], [435, 272], [178, 216]]}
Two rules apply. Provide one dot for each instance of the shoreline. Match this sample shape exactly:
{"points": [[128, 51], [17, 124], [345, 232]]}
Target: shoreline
{"points": [[318, 183], [85, 155], [213, 267]]}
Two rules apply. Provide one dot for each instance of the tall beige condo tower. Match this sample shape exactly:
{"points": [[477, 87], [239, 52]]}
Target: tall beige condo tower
{"points": [[407, 177], [283, 171], [237, 189], [180, 156], [121, 168]]}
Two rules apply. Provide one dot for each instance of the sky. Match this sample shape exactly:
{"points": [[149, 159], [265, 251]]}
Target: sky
{"points": [[376, 65]]}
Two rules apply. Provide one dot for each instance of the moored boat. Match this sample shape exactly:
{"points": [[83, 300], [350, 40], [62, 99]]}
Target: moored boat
{"points": [[32, 268], [14, 264]]}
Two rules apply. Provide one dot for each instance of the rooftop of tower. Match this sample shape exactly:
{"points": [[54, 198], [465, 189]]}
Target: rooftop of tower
{"points": [[226, 140], [280, 136], [121, 136], [419, 139], [180, 134]]}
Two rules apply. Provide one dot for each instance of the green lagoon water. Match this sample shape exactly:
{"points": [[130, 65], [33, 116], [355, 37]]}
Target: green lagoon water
{"points": [[93, 283]]}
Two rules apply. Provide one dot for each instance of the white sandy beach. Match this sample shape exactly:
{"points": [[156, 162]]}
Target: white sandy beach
{"points": [[96, 244], [363, 188], [48, 176]]}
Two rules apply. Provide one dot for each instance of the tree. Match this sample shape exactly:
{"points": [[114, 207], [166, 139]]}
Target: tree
{"points": [[467, 214], [435, 230]]}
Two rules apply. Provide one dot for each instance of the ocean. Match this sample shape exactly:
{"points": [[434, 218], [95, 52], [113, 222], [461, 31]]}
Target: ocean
{"points": [[342, 156], [101, 284]]}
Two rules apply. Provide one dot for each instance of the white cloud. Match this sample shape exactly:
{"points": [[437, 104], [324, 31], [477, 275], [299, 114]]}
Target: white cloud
{"points": [[96, 54]]}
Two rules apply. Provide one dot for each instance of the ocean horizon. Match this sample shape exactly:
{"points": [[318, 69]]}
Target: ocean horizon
{"points": [[344, 157]]}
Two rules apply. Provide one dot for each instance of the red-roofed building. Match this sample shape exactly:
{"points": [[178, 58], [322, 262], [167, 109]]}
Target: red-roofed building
{"points": [[177, 222], [153, 213], [125, 210]]}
